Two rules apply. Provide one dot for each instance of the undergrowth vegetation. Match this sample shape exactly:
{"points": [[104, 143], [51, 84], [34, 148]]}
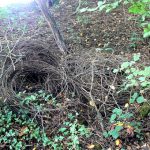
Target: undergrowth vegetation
{"points": [[21, 131], [140, 8], [124, 122]]}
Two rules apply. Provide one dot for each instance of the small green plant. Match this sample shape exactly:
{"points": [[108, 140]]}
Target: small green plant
{"points": [[70, 133], [101, 5], [140, 8], [38, 100], [146, 32], [136, 76], [135, 40], [21, 132], [136, 97], [121, 126], [18, 132], [124, 123]]}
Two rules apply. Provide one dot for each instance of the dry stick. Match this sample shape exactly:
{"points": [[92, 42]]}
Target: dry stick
{"points": [[1, 47], [51, 22], [100, 118], [10, 54]]}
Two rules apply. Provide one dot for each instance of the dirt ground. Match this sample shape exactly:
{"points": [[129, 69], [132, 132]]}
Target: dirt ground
{"points": [[115, 32]]}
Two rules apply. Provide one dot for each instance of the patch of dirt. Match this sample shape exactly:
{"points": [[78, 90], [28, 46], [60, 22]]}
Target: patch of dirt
{"points": [[113, 32]]}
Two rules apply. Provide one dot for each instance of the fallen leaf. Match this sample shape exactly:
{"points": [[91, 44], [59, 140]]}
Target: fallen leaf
{"points": [[118, 142], [91, 146], [130, 130], [119, 124], [92, 103], [23, 131], [34, 148], [126, 105], [81, 34], [112, 87]]}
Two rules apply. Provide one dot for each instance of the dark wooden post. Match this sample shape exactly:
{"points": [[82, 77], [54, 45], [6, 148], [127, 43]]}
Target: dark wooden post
{"points": [[51, 22]]}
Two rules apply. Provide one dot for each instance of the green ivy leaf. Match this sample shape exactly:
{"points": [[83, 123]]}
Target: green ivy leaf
{"points": [[118, 128], [115, 70], [127, 71], [133, 98], [115, 4], [134, 82], [137, 8], [130, 76], [100, 3], [18, 145], [105, 134], [62, 129], [113, 117], [126, 116], [146, 71], [142, 79], [136, 57], [115, 132], [125, 65], [146, 34], [140, 99], [133, 69], [146, 31], [117, 111]]}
